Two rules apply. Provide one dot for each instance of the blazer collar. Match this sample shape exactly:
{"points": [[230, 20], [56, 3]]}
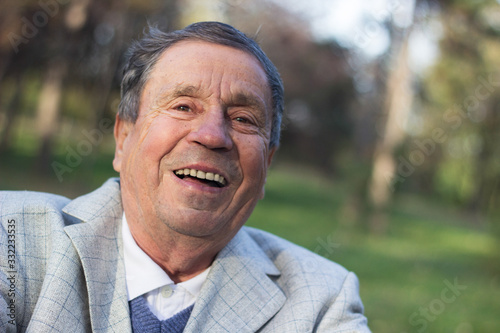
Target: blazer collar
{"points": [[239, 294], [100, 248]]}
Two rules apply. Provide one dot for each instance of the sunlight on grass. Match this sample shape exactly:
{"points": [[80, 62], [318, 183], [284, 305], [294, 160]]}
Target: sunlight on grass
{"points": [[401, 272]]}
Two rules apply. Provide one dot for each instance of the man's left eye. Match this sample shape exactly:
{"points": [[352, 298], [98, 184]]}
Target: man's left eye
{"points": [[183, 108]]}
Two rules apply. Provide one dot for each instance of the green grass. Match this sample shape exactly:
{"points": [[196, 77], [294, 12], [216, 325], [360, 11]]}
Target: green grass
{"points": [[402, 271], [20, 170]]}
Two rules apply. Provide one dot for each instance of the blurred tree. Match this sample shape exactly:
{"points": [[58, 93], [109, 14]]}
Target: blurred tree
{"points": [[9, 21], [462, 99], [385, 100], [455, 153], [396, 108], [73, 51], [48, 109]]}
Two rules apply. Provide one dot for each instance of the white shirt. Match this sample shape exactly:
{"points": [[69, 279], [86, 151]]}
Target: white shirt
{"points": [[144, 277]]}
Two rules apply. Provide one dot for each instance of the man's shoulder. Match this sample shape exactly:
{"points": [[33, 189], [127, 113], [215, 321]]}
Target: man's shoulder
{"points": [[30, 203], [37, 204], [304, 276], [294, 259], [317, 289]]}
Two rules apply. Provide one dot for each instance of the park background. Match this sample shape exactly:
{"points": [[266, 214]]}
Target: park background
{"points": [[390, 155]]}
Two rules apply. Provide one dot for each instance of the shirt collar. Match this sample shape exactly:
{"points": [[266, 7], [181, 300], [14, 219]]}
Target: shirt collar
{"points": [[141, 272], [143, 275], [193, 285]]}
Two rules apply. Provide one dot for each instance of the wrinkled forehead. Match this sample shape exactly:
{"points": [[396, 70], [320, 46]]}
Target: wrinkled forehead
{"points": [[200, 68]]}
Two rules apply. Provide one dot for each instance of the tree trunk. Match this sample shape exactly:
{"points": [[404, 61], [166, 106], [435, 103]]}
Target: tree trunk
{"points": [[397, 106], [10, 114], [48, 110]]}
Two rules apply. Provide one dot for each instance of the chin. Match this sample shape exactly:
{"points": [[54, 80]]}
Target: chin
{"points": [[200, 225]]}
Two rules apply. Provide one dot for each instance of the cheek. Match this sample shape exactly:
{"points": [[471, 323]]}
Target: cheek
{"points": [[143, 154], [157, 140], [253, 159]]}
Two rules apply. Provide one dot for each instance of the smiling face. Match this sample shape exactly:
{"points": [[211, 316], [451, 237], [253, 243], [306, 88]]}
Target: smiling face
{"points": [[195, 161]]}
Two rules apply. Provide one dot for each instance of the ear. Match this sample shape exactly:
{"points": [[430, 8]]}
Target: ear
{"points": [[121, 132], [269, 160]]}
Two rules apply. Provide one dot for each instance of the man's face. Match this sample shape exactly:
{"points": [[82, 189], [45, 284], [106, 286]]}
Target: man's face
{"points": [[205, 112]]}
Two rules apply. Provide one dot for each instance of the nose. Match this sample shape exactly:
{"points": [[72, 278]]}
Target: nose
{"points": [[212, 130]]}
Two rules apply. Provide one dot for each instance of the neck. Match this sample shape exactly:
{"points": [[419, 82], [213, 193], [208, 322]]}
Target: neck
{"points": [[181, 257]]}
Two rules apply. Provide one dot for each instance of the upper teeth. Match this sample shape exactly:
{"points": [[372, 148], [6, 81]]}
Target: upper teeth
{"points": [[202, 175]]}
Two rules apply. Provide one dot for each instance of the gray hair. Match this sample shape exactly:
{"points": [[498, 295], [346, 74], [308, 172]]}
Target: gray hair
{"points": [[144, 53]]}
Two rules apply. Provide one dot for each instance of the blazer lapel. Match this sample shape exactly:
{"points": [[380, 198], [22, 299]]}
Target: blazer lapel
{"points": [[239, 294], [99, 246]]}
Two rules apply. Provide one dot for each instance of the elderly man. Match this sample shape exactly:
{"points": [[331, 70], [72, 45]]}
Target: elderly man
{"points": [[163, 249]]}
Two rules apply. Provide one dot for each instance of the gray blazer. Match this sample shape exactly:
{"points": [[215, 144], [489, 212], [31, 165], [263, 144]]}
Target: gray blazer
{"points": [[67, 275]]}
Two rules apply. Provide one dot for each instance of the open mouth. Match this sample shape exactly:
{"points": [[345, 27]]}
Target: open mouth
{"points": [[207, 178]]}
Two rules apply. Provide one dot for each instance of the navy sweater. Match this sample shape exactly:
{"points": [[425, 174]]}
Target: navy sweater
{"points": [[143, 320]]}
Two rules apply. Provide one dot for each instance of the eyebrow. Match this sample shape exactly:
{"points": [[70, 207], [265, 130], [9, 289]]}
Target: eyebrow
{"points": [[181, 90], [248, 100]]}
